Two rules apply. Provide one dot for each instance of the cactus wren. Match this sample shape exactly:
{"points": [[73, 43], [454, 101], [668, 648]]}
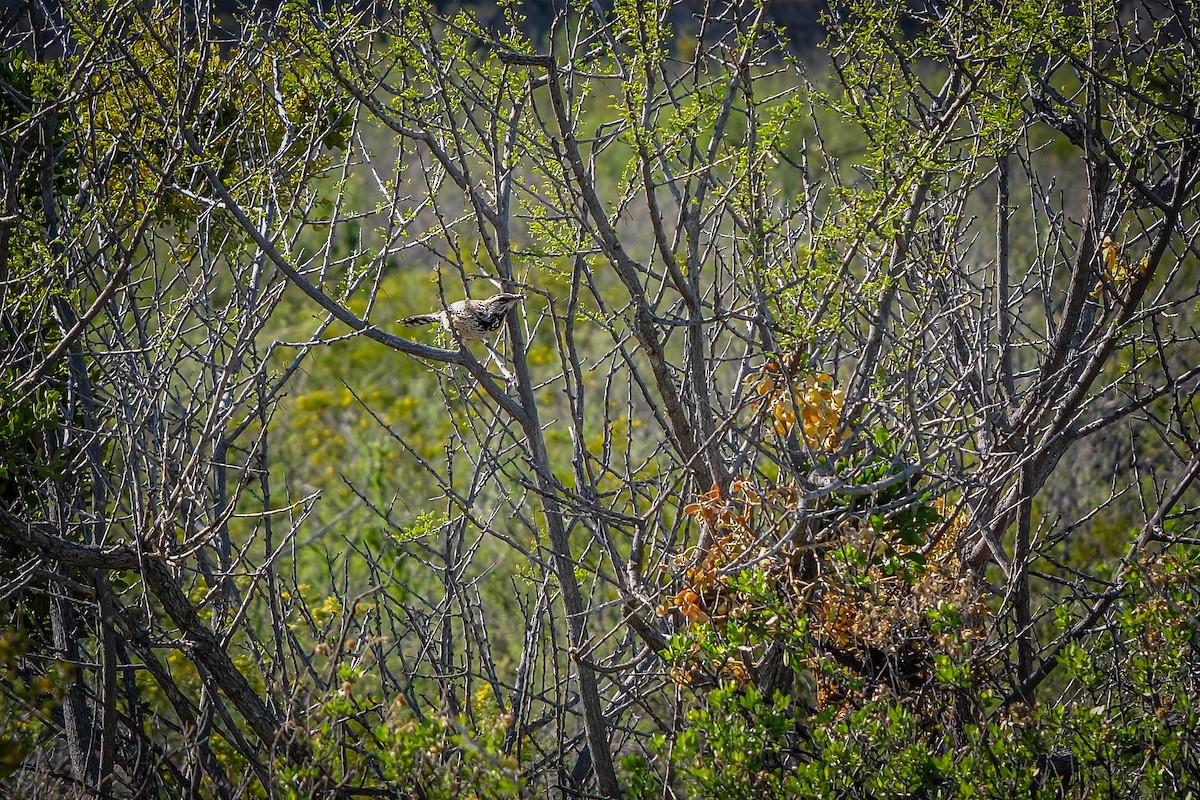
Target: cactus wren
{"points": [[470, 320]]}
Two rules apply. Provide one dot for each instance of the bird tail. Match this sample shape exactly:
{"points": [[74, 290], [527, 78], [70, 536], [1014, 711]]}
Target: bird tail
{"points": [[420, 319]]}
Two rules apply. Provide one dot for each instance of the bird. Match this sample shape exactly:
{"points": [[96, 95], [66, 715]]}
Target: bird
{"points": [[470, 320]]}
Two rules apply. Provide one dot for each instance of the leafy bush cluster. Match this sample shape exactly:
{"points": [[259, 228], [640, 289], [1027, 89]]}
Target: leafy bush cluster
{"points": [[838, 670]]}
